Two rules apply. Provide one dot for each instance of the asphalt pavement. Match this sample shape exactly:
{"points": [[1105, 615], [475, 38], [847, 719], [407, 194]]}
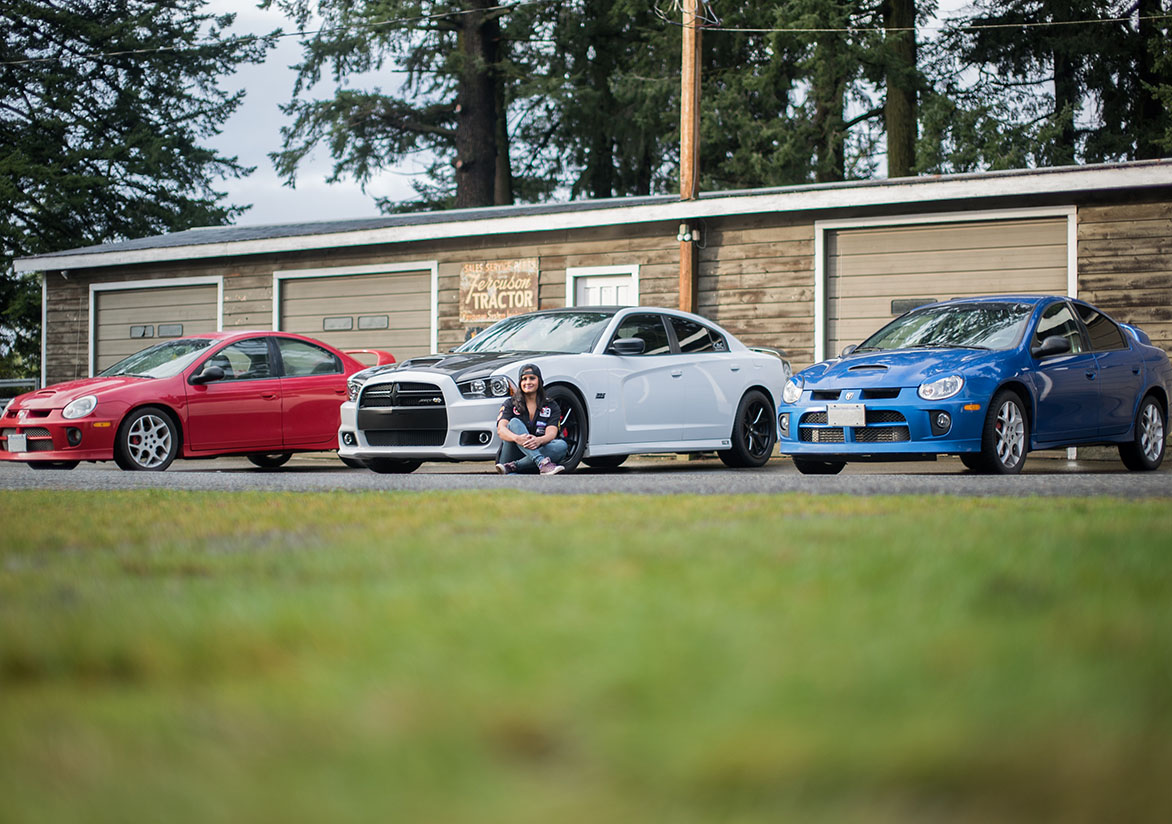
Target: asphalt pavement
{"points": [[1047, 474]]}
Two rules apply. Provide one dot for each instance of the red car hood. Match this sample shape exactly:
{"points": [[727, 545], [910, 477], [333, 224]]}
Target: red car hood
{"points": [[60, 394]]}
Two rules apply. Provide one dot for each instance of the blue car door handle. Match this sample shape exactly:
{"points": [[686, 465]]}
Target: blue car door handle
{"points": [[1090, 375]]}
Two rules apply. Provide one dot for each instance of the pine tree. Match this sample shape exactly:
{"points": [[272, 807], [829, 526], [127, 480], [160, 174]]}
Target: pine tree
{"points": [[451, 103], [103, 107]]}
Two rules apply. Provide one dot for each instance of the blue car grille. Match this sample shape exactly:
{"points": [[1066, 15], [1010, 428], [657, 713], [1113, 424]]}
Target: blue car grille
{"points": [[882, 434], [826, 434], [883, 426], [874, 416], [874, 394]]}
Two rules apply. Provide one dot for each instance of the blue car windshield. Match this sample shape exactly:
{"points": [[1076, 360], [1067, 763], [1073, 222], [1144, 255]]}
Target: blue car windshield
{"points": [[569, 332], [162, 360], [958, 325]]}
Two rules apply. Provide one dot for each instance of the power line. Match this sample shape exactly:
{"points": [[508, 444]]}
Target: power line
{"points": [[253, 38], [945, 26], [705, 18]]}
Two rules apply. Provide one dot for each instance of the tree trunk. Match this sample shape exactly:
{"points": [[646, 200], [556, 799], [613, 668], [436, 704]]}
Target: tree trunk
{"points": [[503, 181], [899, 111], [1066, 100], [829, 94], [1148, 109], [476, 129]]}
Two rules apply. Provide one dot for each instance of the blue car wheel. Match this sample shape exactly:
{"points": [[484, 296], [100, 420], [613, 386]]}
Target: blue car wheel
{"points": [[1146, 451], [1006, 436]]}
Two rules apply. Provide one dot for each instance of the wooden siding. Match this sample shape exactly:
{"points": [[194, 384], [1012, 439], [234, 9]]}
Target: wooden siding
{"points": [[755, 278], [756, 275], [1125, 264]]}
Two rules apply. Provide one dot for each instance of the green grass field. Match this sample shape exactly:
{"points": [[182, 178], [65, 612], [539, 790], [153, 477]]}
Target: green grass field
{"points": [[509, 657]]}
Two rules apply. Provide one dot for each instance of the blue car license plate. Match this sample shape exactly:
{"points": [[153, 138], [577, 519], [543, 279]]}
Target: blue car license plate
{"points": [[846, 414]]}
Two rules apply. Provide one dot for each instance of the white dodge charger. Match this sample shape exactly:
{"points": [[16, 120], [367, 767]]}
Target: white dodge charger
{"points": [[629, 380]]}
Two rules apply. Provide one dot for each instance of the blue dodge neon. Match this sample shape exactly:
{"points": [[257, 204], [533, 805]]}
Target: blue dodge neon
{"points": [[988, 379]]}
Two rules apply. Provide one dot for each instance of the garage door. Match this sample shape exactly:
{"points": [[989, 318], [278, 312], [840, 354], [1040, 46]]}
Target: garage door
{"points": [[381, 311], [877, 273], [126, 321]]}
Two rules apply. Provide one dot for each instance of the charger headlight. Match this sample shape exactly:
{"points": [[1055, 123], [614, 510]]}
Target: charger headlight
{"points": [[80, 407], [496, 387], [941, 388], [792, 390]]}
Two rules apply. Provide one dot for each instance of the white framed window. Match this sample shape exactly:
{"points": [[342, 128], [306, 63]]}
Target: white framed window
{"points": [[602, 285]]}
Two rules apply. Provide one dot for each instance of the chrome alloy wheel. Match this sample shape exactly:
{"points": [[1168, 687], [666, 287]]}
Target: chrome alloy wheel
{"points": [[149, 441], [1010, 429], [1151, 432]]}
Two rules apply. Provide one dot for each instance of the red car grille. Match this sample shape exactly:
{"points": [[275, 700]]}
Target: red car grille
{"points": [[40, 439]]}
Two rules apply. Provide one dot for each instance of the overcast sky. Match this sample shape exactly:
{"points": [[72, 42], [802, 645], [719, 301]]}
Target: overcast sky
{"points": [[255, 130]]}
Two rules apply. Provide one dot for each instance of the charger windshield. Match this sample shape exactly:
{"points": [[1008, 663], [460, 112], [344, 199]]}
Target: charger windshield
{"points": [[954, 326], [569, 332]]}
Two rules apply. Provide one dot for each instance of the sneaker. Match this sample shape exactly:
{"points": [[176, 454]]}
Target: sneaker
{"points": [[506, 468], [550, 468]]}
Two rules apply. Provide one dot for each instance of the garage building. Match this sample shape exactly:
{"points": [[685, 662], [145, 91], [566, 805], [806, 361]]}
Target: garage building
{"points": [[805, 269]]}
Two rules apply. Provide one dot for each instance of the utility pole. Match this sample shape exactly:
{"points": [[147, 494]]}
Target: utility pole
{"points": [[689, 148]]}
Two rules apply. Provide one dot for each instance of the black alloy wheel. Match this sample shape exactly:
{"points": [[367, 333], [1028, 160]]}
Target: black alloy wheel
{"points": [[573, 428], [270, 460], [392, 466], [147, 440], [809, 466], [754, 432], [1145, 452]]}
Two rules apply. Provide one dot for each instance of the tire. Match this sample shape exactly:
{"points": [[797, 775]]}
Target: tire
{"points": [[972, 461], [573, 428], [353, 463], [53, 464], [1146, 451], [147, 441], [606, 461], [808, 466], [392, 466], [270, 460], [754, 432], [1005, 438]]}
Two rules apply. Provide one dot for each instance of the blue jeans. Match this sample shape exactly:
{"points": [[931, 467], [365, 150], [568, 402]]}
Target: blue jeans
{"points": [[527, 459]]}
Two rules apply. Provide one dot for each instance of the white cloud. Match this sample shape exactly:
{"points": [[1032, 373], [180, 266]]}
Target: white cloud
{"points": [[255, 130]]}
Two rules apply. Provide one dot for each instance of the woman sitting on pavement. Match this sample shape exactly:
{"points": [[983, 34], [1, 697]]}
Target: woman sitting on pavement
{"points": [[528, 428]]}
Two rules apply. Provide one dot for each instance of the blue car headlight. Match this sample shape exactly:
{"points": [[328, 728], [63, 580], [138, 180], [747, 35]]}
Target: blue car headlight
{"points": [[941, 388], [792, 390]]}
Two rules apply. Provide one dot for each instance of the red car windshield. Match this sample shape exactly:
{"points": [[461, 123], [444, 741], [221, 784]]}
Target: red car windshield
{"points": [[163, 360]]}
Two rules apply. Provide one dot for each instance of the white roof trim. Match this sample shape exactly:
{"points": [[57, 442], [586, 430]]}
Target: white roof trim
{"points": [[917, 190]]}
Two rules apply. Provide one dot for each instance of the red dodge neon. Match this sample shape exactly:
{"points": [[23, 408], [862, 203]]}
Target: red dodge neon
{"points": [[261, 394]]}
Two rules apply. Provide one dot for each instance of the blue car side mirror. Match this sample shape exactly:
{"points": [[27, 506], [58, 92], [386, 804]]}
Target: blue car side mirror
{"points": [[1051, 346]]}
